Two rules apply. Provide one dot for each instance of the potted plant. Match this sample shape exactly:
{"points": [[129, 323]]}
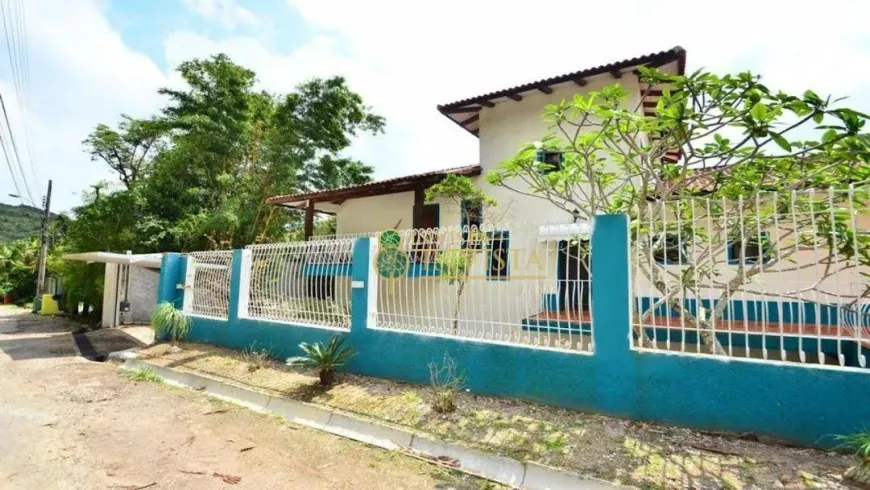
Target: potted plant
{"points": [[326, 358]]}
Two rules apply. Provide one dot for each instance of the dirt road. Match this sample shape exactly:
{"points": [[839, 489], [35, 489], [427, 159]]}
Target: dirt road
{"points": [[69, 423]]}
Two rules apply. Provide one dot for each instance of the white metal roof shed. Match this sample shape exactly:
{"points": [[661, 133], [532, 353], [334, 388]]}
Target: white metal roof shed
{"points": [[129, 287], [138, 260]]}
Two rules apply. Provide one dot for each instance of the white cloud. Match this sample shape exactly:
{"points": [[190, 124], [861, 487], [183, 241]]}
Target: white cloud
{"points": [[228, 12], [407, 57], [82, 74]]}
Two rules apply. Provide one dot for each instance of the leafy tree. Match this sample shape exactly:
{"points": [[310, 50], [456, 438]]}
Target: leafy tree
{"points": [[456, 263], [130, 149], [196, 175], [18, 262], [736, 137]]}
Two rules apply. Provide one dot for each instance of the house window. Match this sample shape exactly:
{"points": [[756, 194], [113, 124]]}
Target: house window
{"points": [[757, 249], [553, 159], [669, 250], [471, 219], [499, 244]]}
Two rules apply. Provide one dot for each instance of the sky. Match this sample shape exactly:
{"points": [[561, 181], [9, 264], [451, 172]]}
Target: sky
{"points": [[88, 61]]}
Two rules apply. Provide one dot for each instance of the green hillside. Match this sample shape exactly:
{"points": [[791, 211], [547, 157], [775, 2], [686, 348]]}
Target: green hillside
{"points": [[18, 222]]}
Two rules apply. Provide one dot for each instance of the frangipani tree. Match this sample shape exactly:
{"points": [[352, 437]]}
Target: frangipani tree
{"points": [[456, 262], [735, 138]]}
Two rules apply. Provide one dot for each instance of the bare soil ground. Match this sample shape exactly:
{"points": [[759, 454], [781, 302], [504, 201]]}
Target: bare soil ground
{"points": [[646, 455], [70, 423]]}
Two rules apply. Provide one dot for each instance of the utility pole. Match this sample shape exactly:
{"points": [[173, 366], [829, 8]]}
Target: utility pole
{"points": [[43, 251]]}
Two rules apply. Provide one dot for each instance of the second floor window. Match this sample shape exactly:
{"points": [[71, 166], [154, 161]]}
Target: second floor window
{"points": [[668, 249], [499, 243], [553, 159], [757, 250], [471, 220]]}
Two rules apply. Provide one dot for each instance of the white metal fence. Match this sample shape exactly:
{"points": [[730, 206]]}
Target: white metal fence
{"points": [[342, 236], [776, 277], [207, 286], [523, 284], [301, 282]]}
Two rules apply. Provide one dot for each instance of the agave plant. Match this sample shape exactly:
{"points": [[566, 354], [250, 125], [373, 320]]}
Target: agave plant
{"points": [[859, 443], [326, 358], [167, 320]]}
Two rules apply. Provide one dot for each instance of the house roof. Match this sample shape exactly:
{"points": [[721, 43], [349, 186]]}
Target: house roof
{"points": [[380, 187], [465, 112]]}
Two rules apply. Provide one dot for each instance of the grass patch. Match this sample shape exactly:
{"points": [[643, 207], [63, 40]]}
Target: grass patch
{"points": [[142, 374]]}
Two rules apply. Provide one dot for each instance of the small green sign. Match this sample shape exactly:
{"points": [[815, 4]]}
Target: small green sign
{"points": [[391, 263], [390, 240]]}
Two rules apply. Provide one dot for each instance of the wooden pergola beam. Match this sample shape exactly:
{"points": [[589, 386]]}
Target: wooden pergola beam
{"points": [[487, 103], [616, 74], [514, 97], [546, 89], [581, 82]]}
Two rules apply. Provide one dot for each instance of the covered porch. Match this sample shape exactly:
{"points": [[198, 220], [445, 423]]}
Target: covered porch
{"points": [[337, 202]]}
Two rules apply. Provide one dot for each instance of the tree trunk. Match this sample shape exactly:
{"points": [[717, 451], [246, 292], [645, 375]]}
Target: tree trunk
{"points": [[458, 306], [327, 377]]}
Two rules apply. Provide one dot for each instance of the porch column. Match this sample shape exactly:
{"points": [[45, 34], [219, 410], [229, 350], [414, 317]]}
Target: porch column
{"points": [[309, 220]]}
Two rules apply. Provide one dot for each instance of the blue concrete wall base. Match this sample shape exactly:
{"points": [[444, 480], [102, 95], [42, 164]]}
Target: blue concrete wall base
{"points": [[806, 404]]}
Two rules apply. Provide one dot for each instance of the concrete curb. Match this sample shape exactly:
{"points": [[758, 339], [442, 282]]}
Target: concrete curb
{"points": [[532, 476]]}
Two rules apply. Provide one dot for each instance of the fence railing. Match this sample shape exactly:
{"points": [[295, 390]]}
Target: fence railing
{"points": [[524, 284], [301, 282], [342, 236], [207, 286], [780, 276]]}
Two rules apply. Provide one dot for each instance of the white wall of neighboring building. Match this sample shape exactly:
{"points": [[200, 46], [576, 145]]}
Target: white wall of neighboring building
{"points": [[141, 294]]}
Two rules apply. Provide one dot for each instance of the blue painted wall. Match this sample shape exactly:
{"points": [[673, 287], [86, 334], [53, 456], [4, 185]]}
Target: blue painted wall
{"points": [[805, 312], [804, 404]]}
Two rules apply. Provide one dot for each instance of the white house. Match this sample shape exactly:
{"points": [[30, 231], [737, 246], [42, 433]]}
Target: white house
{"points": [[527, 274], [502, 121]]}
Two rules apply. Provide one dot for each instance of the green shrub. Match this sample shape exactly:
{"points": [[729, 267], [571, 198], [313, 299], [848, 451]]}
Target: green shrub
{"points": [[859, 443], [256, 359], [446, 382], [142, 374], [326, 358], [166, 320]]}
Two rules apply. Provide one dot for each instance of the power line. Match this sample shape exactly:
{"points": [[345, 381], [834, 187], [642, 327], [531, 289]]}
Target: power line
{"points": [[22, 29], [17, 83], [15, 147], [12, 173]]}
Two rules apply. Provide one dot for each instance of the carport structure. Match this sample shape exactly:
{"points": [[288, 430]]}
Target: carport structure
{"points": [[130, 287]]}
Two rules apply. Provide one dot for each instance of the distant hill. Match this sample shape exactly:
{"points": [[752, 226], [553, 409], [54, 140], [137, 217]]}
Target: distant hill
{"points": [[19, 222]]}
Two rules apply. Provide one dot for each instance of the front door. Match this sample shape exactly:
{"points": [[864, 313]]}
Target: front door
{"points": [[573, 275], [427, 241]]}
